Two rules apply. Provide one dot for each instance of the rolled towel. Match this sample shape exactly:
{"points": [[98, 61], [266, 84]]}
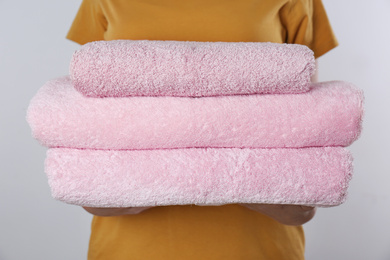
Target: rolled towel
{"points": [[328, 115], [173, 68], [97, 178]]}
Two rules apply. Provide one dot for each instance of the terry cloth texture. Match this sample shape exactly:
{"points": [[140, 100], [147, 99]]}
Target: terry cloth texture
{"points": [[96, 178], [173, 68], [328, 115]]}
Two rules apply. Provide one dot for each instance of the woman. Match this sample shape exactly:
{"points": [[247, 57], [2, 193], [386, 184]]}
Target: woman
{"points": [[191, 232]]}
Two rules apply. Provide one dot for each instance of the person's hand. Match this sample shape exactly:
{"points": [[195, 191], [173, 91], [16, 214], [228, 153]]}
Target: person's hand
{"points": [[293, 215], [108, 212]]}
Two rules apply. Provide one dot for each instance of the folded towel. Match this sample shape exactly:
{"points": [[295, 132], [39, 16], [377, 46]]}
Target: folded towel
{"points": [[207, 176], [173, 68], [328, 115]]}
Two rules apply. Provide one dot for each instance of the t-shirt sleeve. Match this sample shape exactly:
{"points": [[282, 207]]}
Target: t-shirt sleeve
{"points": [[306, 22], [89, 24]]}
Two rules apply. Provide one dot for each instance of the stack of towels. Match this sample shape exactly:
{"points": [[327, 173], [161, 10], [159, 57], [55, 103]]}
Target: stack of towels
{"points": [[148, 123]]}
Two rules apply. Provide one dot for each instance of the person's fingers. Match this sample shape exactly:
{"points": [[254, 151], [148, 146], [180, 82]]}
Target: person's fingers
{"points": [[307, 208], [106, 212], [135, 210], [285, 214]]}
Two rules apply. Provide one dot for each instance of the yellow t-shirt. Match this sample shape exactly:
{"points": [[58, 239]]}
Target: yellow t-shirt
{"points": [[193, 232]]}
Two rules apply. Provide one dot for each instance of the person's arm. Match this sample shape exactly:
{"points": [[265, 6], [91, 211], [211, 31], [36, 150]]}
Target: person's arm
{"points": [[286, 214], [314, 77]]}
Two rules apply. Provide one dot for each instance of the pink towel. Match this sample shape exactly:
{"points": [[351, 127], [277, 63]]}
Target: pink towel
{"points": [[96, 178], [328, 115], [173, 68]]}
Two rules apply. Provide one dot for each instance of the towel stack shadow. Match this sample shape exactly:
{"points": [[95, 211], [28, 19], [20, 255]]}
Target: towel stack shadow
{"points": [[152, 123]]}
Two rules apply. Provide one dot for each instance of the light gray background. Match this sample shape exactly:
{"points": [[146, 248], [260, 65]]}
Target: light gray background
{"points": [[33, 50]]}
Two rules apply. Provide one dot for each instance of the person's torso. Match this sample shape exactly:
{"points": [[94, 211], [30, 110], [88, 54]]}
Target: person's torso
{"points": [[192, 232], [194, 20]]}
